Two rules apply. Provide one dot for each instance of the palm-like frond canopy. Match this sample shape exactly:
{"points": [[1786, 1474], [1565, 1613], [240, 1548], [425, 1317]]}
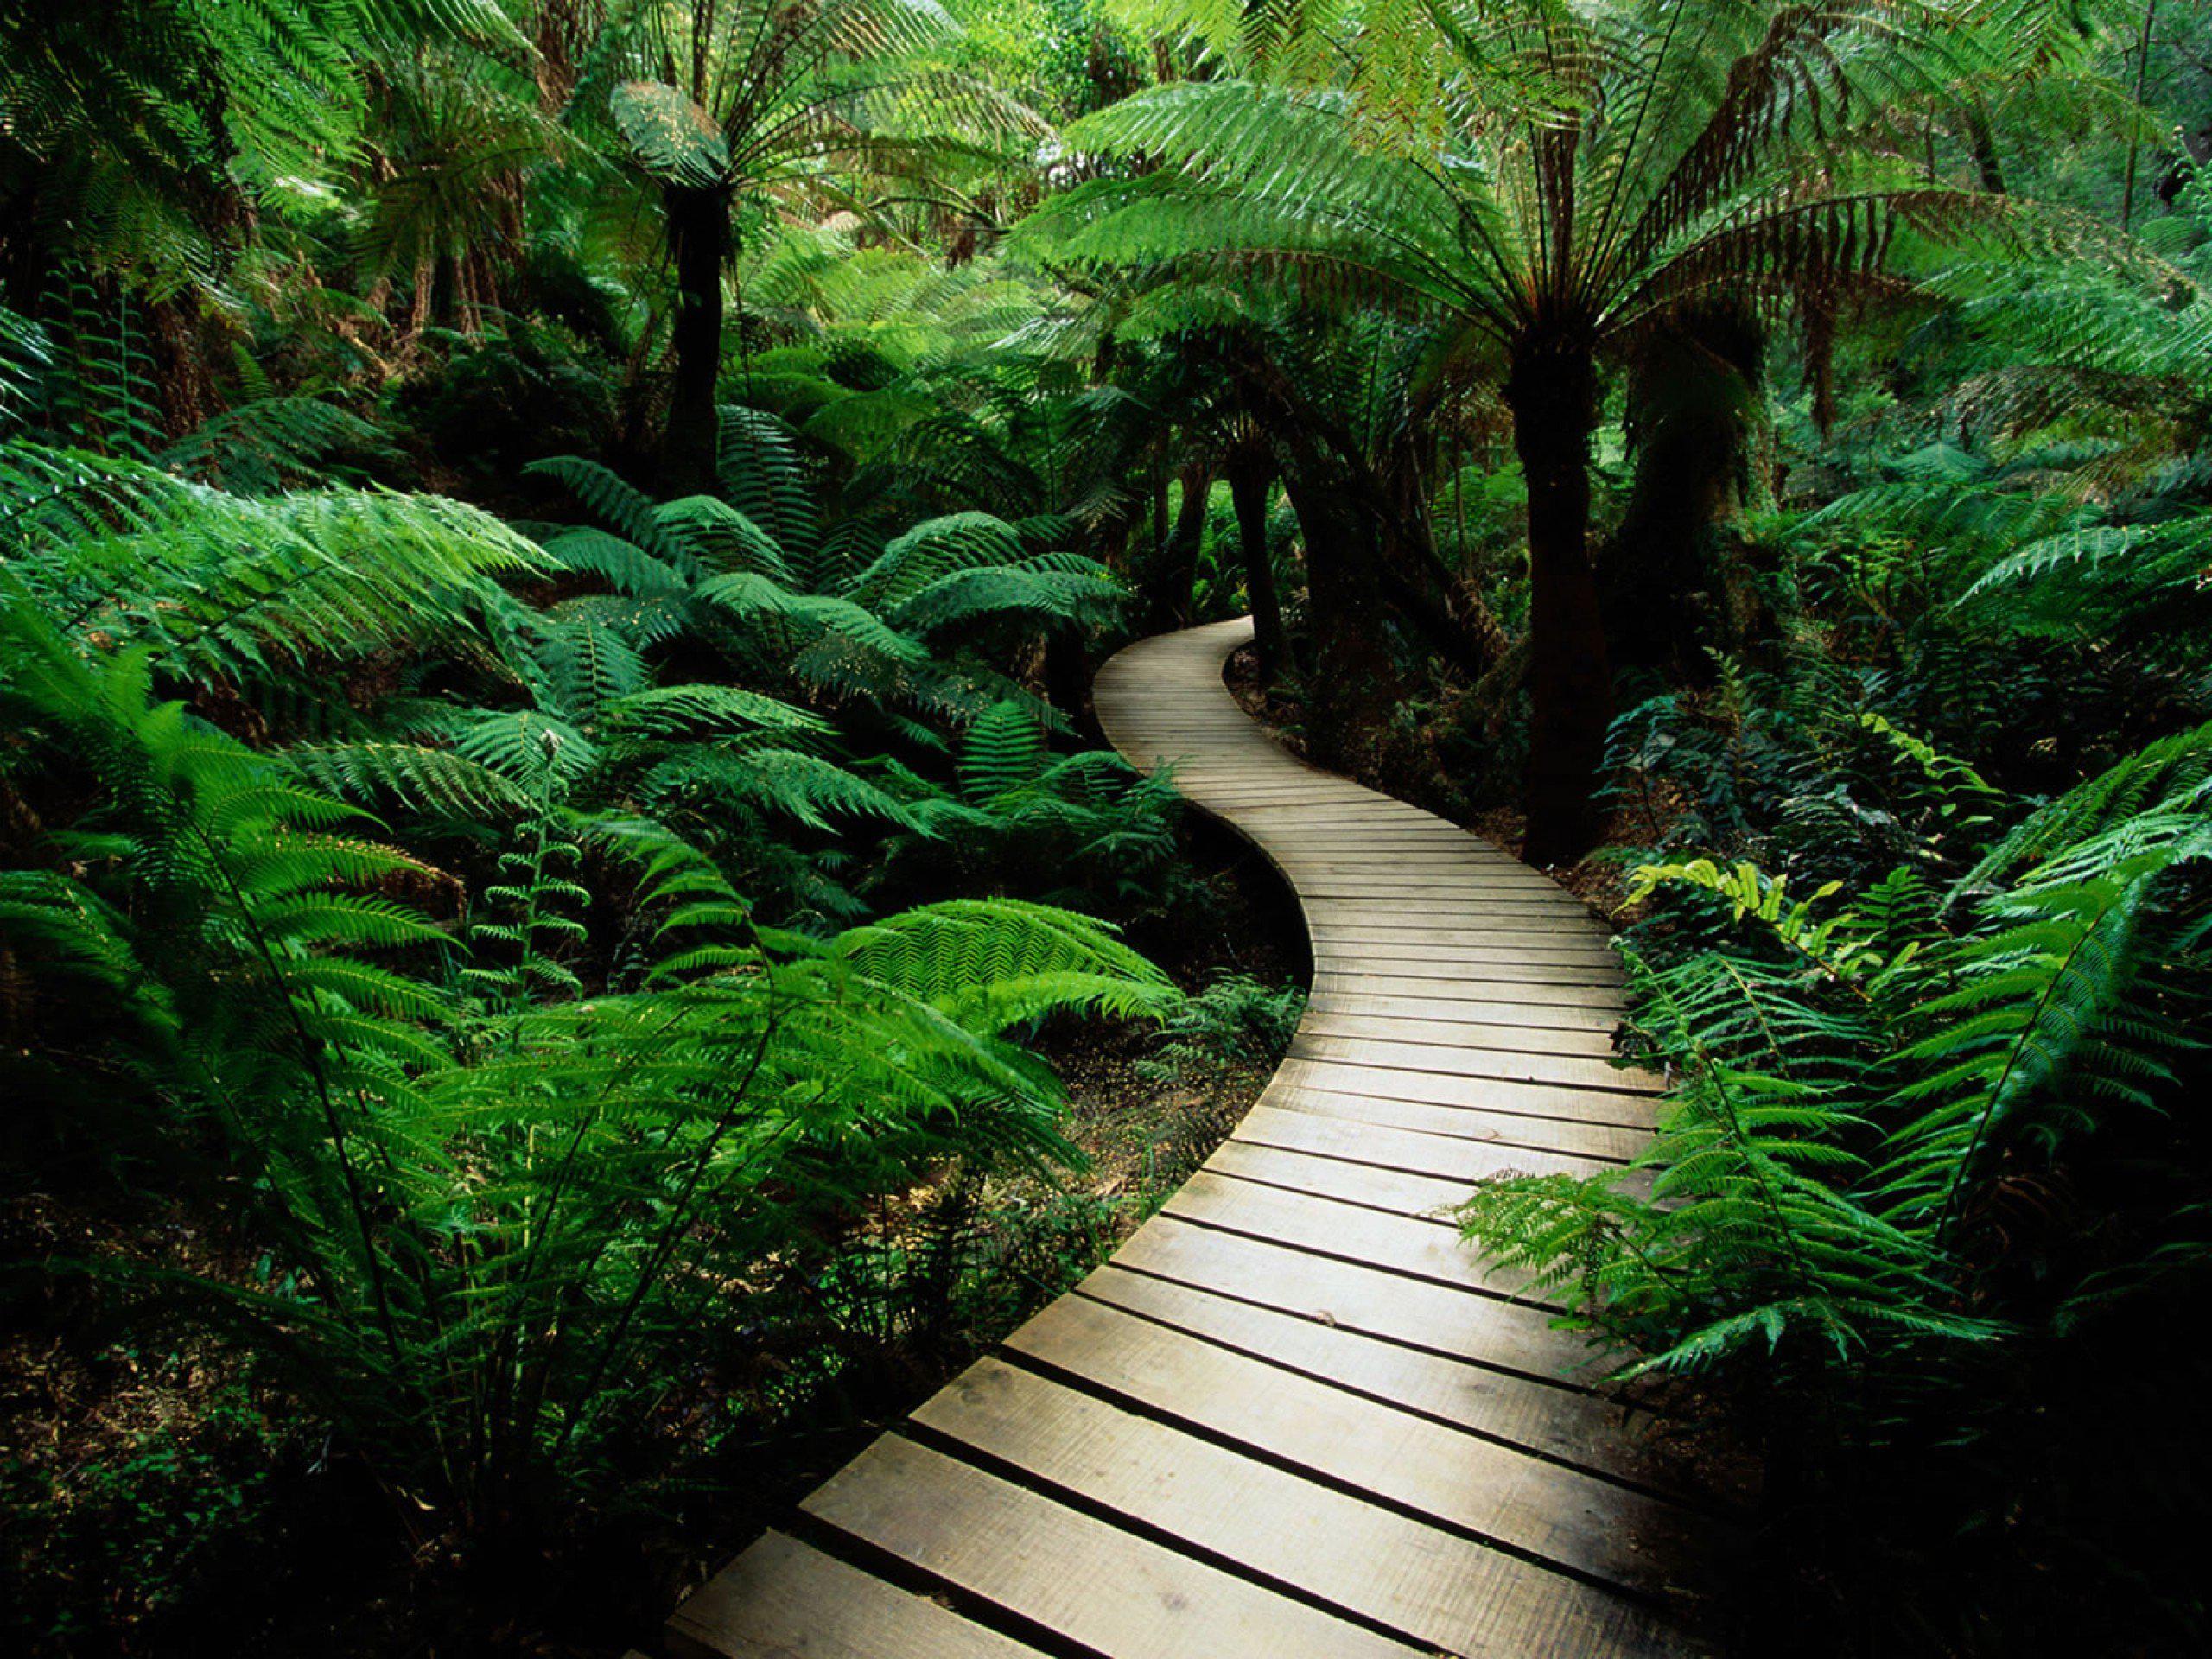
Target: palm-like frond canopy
{"points": [[1554, 180], [1539, 166]]}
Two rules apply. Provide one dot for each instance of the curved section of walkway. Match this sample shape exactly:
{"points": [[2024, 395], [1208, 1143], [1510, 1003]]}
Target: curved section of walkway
{"points": [[1291, 1418]]}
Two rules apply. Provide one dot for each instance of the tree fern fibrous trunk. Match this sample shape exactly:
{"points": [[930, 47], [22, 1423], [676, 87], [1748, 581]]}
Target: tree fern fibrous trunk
{"points": [[698, 237], [1177, 572], [1667, 579], [1982, 141], [2134, 143], [1440, 603], [1353, 681], [1552, 393], [181, 374], [1251, 479]]}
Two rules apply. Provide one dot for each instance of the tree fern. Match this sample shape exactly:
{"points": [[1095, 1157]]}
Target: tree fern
{"points": [[2167, 777], [761, 475], [218, 584], [747, 595], [1003, 752], [992, 963], [414, 776], [805, 788], [488, 1217], [695, 710], [1843, 1096], [2044, 1021], [621, 505], [273, 442], [933, 549]]}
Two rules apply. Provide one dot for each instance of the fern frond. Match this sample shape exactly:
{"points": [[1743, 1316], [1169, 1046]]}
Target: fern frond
{"points": [[992, 964]]}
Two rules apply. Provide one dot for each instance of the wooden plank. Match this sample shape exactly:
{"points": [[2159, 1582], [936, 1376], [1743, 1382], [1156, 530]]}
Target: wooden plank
{"points": [[1445, 922], [1333, 957], [1613, 1435], [1442, 1591], [1518, 960], [1260, 770], [1441, 913], [1524, 924], [1459, 943], [1398, 984], [1486, 1093], [1388, 826], [1596, 1433], [1578, 1072], [1087, 1582], [1348, 1232], [1461, 1159], [1269, 771], [1373, 1187], [1432, 844], [1388, 885], [1606, 1142], [1418, 1194], [1464, 859], [782, 1597], [1390, 820], [1461, 1032], [1444, 912], [1466, 908], [1360, 1296], [1415, 1006], [1357, 861], [1264, 775], [1538, 982], [1255, 792], [1558, 1515]]}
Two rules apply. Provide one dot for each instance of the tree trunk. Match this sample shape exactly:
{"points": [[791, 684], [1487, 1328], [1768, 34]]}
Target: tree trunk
{"points": [[1983, 144], [1663, 569], [1176, 571], [187, 388], [1552, 393], [698, 239], [1353, 683], [1067, 677], [1666, 580], [1447, 609], [2142, 69], [1251, 478]]}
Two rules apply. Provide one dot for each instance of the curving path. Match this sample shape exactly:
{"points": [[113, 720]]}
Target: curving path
{"points": [[1290, 1418]]}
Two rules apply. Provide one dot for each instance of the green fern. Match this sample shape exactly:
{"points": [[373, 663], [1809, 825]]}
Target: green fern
{"points": [[1003, 752]]}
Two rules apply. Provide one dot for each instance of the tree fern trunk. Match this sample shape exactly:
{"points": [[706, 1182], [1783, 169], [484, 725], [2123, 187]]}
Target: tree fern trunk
{"points": [[1669, 581], [698, 238], [1353, 681], [1250, 477], [1177, 572], [1552, 393], [187, 388], [1428, 594], [1983, 143]]}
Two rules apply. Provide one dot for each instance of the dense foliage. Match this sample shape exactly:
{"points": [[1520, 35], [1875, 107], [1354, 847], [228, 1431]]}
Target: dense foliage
{"points": [[550, 554]]}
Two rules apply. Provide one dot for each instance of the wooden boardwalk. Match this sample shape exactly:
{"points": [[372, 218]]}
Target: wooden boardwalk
{"points": [[1291, 1418]]}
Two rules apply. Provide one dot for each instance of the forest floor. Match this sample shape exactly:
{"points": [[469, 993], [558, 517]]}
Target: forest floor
{"points": [[161, 1500]]}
